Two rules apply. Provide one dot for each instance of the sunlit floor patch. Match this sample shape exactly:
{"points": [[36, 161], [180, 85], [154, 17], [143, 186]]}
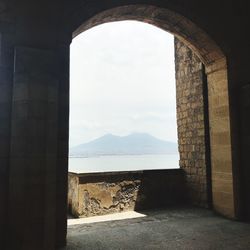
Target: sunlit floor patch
{"points": [[109, 217]]}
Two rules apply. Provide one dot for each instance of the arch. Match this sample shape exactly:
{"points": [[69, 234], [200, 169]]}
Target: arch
{"points": [[216, 68], [182, 28]]}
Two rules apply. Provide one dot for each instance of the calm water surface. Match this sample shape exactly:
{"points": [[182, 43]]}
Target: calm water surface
{"points": [[112, 163]]}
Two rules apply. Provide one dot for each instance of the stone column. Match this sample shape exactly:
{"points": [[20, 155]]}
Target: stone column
{"points": [[38, 152], [220, 139]]}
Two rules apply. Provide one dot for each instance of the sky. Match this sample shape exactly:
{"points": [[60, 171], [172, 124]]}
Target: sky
{"points": [[122, 81]]}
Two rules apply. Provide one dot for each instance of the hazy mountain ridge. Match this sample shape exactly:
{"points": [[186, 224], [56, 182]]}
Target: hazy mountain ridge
{"points": [[133, 144]]}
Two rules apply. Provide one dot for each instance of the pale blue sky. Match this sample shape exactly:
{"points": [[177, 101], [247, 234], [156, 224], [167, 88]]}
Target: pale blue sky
{"points": [[122, 80]]}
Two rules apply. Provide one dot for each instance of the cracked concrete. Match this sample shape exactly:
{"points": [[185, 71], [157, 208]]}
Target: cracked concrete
{"points": [[181, 228]]}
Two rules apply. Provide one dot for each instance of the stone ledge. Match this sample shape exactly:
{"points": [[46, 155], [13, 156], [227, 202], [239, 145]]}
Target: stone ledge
{"points": [[93, 194]]}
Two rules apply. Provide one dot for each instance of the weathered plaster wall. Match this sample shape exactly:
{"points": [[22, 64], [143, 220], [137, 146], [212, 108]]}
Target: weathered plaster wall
{"points": [[191, 122], [105, 193]]}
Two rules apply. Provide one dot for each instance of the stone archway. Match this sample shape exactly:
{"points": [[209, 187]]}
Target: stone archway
{"points": [[34, 109], [216, 70]]}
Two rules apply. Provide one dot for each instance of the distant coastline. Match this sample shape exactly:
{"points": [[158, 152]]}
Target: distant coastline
{"points": [[131, 145]]}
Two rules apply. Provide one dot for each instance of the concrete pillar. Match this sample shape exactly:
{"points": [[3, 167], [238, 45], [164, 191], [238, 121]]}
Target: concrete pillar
{"points": [[38, 151]]}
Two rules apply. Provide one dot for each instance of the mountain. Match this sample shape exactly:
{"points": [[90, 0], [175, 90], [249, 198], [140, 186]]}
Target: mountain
{"points": [[133, 144]]}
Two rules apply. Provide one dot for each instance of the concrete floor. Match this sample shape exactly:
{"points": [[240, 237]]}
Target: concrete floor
{"points": [[185, 228]]}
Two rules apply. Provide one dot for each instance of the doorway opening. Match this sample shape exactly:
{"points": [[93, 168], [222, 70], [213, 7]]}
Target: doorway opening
{"points": [[122, 116], [214, 67]]}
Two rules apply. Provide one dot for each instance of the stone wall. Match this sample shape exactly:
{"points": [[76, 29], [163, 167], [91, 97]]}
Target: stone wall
{"points": [[191, 122], [105, 193]]}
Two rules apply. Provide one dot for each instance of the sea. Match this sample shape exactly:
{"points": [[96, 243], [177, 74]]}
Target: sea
{"points": [[113, 163]]}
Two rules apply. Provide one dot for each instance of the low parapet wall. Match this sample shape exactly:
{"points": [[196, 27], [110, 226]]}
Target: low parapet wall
{"points": [[105, 193]]}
